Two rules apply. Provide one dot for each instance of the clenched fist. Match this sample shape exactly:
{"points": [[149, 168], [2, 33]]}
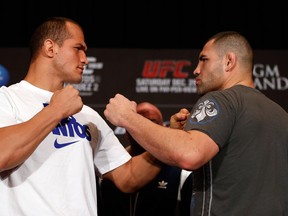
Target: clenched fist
{"points": [[67, 101]]}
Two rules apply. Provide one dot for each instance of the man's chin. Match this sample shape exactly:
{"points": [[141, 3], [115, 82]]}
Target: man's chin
{"points": [[76, 81]]}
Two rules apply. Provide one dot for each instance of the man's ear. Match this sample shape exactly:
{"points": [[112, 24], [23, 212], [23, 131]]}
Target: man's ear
{"points": [[50, 48], [230, 61]]}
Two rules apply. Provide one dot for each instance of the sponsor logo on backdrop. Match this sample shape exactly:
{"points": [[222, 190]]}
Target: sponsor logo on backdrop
{"points": [[90, 81], [166, 76], [4, 76], [267, 77]]}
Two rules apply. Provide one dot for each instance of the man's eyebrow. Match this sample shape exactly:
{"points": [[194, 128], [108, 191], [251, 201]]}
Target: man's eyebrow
{"points": [[82, 46]]}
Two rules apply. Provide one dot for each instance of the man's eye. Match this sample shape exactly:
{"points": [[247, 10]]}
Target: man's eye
{"points": [[79, 48], [203, 59]]}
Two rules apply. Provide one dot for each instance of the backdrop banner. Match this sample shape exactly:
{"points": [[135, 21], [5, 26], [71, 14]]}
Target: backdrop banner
{"points": [[163, 77]]}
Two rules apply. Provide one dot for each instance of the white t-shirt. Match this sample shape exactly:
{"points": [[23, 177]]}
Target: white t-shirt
{"points": [[59, 177]]}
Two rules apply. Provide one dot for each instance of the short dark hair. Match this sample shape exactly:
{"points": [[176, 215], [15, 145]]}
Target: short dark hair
{"points": [[234, 41], [53, 28]]}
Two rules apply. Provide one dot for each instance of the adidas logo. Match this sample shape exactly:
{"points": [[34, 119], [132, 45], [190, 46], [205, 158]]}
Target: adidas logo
{"points": [[162, 184]]}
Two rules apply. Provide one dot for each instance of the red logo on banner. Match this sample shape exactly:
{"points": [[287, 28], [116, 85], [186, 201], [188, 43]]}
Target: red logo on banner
{"points": [[160, 69]]}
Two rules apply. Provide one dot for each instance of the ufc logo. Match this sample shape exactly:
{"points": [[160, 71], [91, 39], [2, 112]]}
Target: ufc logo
{"points": [[153, 69]]}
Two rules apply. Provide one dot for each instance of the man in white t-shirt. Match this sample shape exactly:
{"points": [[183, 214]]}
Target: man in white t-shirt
{"points": [[51, 143]]}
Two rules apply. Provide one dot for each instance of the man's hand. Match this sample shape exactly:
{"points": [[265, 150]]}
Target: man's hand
{"points": [[178, 120], [119, 109], [67, 101]]}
